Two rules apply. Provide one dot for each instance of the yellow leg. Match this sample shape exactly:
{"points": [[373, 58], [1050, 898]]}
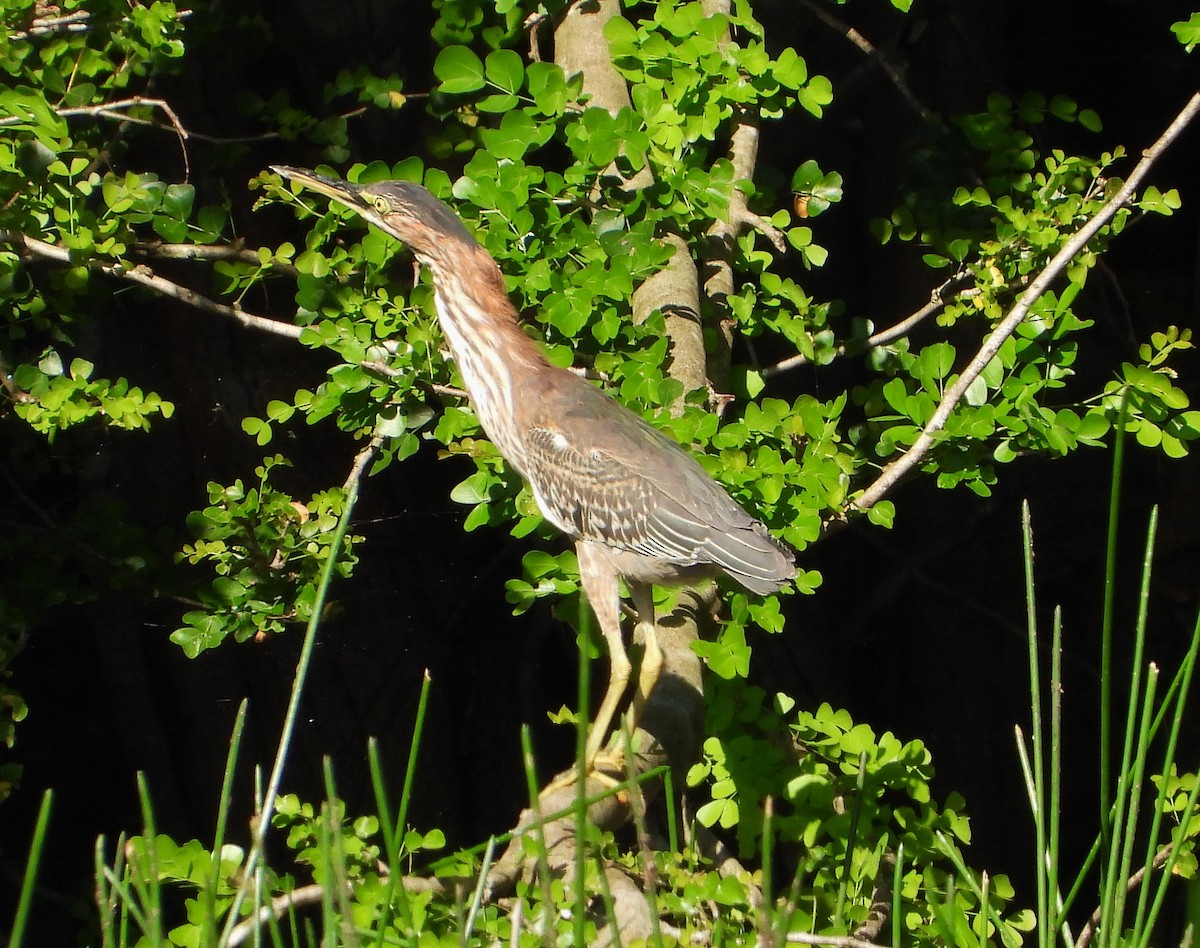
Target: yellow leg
{"points": [[600, 585], [613, 760], [603, 594], [652, 658], [618, 681]]}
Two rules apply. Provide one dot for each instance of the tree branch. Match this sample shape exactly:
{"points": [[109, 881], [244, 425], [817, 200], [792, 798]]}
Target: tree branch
{"points": [[925, 441], [117, 111], [873, 53], [721, 237], [669, 733], [80, 22], [1093, 923], [144, 276], [44, 25], [836, 941], [937, 302], [280, 905], [235, 251]]}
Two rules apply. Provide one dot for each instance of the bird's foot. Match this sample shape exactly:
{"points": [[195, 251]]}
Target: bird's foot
{"points": [[606, 768], [605, 764]]}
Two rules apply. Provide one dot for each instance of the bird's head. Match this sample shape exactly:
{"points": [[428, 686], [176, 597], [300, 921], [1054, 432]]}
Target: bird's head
{"points": [[402, 209]]}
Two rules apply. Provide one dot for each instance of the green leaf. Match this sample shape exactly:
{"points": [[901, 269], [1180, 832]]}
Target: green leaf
{"points": [[258, 429], [1188, 31], [81, 369], [882, 514], [50, 363], [505, 70], [816, 95], [178, 200], [1090, 120], [547, 86], [470, 491], [723, 812], [459, 71], [790, 69]]}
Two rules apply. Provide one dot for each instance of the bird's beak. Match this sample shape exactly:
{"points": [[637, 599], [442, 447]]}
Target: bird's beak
{"points": [[343, 192]]}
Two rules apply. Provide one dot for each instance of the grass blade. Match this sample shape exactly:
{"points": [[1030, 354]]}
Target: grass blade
{"points": [[1184, 679], [25, 900], [1036, 781], [302, 665], [1106, 633], [1113, 884], [410, 769], [223, 804]]}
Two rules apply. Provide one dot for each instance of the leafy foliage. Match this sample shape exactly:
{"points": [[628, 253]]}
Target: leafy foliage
{"points": [[1188, 31], [548, 180], [268, 551]]}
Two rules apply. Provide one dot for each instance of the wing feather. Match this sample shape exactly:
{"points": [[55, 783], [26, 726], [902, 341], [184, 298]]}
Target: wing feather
{"points": [[601, 473]]}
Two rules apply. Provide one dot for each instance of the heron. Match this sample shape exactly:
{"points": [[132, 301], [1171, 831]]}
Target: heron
{"points": [[637, 505]]}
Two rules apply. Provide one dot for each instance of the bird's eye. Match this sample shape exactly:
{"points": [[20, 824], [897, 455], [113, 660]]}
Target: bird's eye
{"points": [[381, 204]]}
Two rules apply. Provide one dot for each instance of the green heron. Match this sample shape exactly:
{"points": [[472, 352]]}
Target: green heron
{"points": [[638, 507]]}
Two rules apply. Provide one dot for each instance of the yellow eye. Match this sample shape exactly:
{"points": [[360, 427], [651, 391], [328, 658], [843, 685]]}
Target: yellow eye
{"points": [[380, 203]]}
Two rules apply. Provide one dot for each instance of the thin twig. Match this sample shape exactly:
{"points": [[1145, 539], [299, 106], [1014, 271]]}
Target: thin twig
{"points": [[873, 53], [144, 276], [1160, 859], [382, 368], [362, 459], [116, 111], [235, 251], [837, 941], [305, 895], [80, 22], [45, 25], [925, 441], [937, 301]]}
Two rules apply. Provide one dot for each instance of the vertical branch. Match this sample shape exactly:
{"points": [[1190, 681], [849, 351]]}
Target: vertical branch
{"points": [[719, 245], [582, 50], [720, 238], [675, 291]]}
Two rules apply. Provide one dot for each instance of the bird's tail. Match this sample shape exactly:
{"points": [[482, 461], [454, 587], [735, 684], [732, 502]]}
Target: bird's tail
{"points": [[754, 558]]}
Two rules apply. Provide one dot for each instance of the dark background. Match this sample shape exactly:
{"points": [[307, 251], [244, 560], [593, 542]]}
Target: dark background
{"points": [[919, 630]]}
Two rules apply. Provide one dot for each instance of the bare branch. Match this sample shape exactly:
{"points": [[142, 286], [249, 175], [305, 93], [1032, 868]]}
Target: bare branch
{"points": [[914, 455], [305, 895], [881, 900], [873, 53], [837, 941], [80, 22], [937, 301], [44, 25], [144, 276], [235, 251], [362, 459], [117, 111], [1160, 860]]}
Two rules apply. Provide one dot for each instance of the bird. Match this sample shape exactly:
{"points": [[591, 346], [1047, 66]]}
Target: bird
{"points": [[637, 505]]}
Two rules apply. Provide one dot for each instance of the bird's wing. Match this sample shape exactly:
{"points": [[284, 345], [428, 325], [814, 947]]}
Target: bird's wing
{"points": [[601, 473]]}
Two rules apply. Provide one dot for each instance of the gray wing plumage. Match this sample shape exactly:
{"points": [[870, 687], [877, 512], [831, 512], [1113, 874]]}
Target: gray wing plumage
{"points": [[603, 474]]}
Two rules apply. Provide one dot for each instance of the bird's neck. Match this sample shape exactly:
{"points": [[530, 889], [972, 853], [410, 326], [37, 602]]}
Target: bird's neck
{"points": [[499, 364]]}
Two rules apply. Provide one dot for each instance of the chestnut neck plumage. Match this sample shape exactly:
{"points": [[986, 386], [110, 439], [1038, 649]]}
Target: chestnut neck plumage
{"points": [[499, 364]]}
